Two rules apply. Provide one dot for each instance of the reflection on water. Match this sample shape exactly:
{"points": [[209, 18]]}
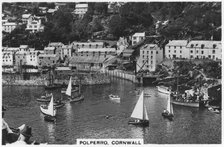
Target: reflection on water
{"points": [[51, 132], [87, 119]]}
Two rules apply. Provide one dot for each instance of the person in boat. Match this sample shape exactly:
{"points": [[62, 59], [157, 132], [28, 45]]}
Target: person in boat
{"points": [[8, 136], [24, 136], [165, 111]]}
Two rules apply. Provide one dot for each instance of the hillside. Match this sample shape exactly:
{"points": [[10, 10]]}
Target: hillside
{"points": [[173, 20]]}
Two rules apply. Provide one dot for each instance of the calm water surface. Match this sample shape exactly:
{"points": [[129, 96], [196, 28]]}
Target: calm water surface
{"points": [[86, 119]]}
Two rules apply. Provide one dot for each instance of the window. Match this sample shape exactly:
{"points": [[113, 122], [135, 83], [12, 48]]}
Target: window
{"points": [[151, 57], [197, 51], [180, 51], [213, 51], [142, 52], [191, 56], [192, 45], [202, 52], [147, 52], [169, 51], [134, 38], [156, 52], [174, 51], [214, 46], [213, 57], [191, 51], [174, 47], [202, 46], [143, 56], [169, 46], [209, 56], [151, 62], [180, 47]]}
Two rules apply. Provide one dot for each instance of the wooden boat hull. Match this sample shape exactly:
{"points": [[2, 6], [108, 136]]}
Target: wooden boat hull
{"points": [[163, 89], [44, 110], [59, 105], [187, 104], [143, 123], [49, 118], [114, 98], [52, 87], [64, 90], [168, 115], [43, 100], [80, 98]]}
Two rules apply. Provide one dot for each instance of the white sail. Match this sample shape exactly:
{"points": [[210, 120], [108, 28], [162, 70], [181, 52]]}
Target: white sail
{"points": [[171, 108], [138, 111], [69, 88], [51, 107], [145, 114], [168, 104]]}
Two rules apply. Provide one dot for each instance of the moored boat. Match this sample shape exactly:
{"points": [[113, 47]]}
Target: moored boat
{"points": [[45, 98], [188, 103], [63, 90], [79, 98], [49, 110], [164, 89], [139, 114], [168, 113], [73, 98], [52, 87], [111, 96]]}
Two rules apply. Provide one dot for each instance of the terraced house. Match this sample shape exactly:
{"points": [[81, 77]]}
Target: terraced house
{"points": [[195, 49]]}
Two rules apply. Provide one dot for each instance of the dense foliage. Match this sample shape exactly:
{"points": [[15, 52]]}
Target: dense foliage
{"points": [[174, 20]]}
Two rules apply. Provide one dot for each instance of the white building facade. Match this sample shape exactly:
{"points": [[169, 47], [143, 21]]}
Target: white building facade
{"points": [[137, 37], [34, 24], [195, 49], [150, 56], [176, 49], [81, 9], [8, 27]]}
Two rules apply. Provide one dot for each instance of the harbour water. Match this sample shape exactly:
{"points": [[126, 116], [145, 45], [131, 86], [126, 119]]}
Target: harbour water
{"points": [[87, 119]]}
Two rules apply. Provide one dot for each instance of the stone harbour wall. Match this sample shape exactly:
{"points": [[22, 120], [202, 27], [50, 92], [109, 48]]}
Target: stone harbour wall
{"points": [[87, 79]]}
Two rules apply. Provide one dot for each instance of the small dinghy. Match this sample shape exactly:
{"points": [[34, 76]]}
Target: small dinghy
{"points": [[45, 98], [114, 97]]}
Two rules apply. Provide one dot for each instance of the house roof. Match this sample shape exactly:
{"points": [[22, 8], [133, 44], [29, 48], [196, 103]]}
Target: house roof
{"points": [[23, 46], [88, 43], [9, 24], [49, 48], [51, 10], [96, 50], [149, 46], [63, 68], [26, 16], [139, 34], [177, 43], [47, 55], [84, 59], [55, 44], [207, 44], [81, 5]]}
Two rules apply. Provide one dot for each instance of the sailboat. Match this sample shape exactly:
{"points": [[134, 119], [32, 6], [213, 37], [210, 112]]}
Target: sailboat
{"points": [[51, 85], [68, 92], [49, 111], [168, 113], [139, 114]]}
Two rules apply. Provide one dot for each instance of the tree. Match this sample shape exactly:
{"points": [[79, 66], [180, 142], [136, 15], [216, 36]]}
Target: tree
{"points": [[117, 26]]}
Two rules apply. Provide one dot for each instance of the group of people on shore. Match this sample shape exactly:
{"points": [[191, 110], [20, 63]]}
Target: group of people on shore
{"points": [[20, 135]]}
